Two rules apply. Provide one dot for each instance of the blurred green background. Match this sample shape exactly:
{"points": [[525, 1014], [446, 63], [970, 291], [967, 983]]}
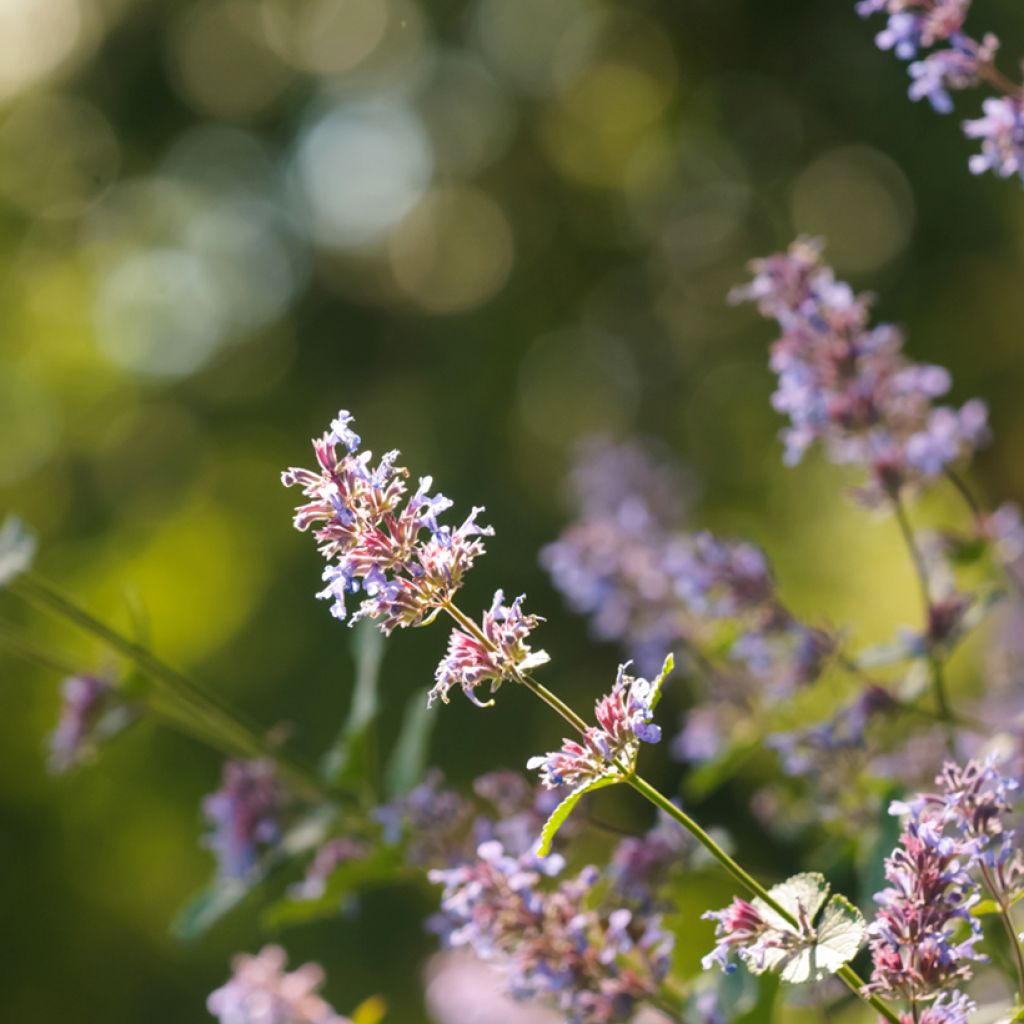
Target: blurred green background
{"points": [[487, 227]]}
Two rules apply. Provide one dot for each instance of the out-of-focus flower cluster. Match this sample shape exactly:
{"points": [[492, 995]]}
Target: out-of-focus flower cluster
{"points": [[626, 563], [244, 816], [261, 991], [90, 712], [595, 967], [956, 61], [849, 386]]}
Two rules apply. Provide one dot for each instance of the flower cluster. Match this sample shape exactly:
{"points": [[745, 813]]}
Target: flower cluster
{"points": [[958, 62], [245, 816], [594, 966], [491, 654], [90, 711], [973, 805], [848, 385], [624, 721], [373, 537], [914, 947], [261, 991], [646, 583], [739, 928]]}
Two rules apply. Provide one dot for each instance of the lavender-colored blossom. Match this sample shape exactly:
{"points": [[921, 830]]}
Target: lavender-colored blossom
{"points": [[913, 942], [953, 69], [949, 1008], [617, 562], [739, 928], [640, 864], [372, 536], [84, 719], [624, 718], [848, 385], [245, 816], [261, 991], [973, 805], [595, 966], [497, 653], [1001, 131]]}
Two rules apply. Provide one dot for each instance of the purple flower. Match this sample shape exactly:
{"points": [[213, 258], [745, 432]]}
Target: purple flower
{"points": [[848, 385], [913, 939], [739, 927], [90, 712], [948, 1008], [245, 816], [371, 535], [497, 653], [262, 992], [1001, 132], [595, 965], [624, 718]]}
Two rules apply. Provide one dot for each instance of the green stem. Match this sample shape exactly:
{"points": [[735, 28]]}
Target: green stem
{"points": [[999, 897], [937, 669], [213, 715], [664, 804]]}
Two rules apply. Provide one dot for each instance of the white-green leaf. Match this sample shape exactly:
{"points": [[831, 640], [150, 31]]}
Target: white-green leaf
{"points": [[565, 808], [802, 956], [839, 935], [17, 549], [802, 896]]}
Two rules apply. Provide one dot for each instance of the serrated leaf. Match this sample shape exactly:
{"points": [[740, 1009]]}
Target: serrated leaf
{"points": [[561, 813], [658, 683], [840, 933], [409, 755], [383, 866], [17, 549], [205, 909], [802, 896], [809, 956]]}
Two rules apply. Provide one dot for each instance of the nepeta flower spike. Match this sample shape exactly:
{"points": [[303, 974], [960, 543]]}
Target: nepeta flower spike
{"points": [[373, 539], [493, 655], [624, 718]]}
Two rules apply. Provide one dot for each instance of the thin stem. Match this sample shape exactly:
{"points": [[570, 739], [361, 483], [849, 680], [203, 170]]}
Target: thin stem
{"points": [[677, 814], [1005, 916], [214, 714], [935, 664]]}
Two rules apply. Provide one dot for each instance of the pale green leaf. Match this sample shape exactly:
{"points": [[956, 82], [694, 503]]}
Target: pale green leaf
{"points": [[802, 896], [17, 549], [205, 909], [409, 755], [565, 808]]}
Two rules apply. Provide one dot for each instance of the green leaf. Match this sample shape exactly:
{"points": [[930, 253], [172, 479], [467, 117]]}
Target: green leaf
{"points": [[409, 755], [17, 549], [802, 895], [658, 683], [351, 757], [984, 907], [812, 955], [565, 808], [204, 910], [840, 933], [384, 866]]}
